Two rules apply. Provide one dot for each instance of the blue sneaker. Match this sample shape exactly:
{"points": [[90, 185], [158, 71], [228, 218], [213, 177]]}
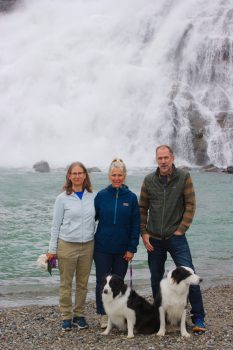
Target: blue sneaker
{"points": [[199, 325], [80, 322], [66, 325]]}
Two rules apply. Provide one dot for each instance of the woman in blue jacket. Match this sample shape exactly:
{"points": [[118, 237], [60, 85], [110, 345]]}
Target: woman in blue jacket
{"points": [[117, 234]]}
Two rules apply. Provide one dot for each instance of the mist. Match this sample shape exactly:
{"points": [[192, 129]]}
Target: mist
{"points": [[90, 80]]}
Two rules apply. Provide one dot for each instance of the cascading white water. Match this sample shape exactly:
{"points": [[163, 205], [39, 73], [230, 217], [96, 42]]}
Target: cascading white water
{"points": [[94, 79]]}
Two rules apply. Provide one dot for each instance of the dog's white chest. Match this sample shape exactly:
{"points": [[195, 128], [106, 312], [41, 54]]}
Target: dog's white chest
{"points": [[174, 301]]}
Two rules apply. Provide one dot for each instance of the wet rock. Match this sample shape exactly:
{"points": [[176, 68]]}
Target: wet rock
{"points": [[42, 167], [7, 5], [197, 128], [197, 123], [230, 169], [212, 168], [225, 119], [94, 169]]}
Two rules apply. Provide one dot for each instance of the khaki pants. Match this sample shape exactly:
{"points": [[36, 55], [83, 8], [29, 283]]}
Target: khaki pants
{"points": [[74, 259]]}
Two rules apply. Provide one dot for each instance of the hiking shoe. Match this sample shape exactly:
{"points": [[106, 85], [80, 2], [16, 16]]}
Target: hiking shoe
{"points": [[103, 321], [199, 325], [66, 325], [80, 322]]}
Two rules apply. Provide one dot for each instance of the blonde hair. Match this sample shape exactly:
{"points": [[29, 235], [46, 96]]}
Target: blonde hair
{"points": [[119, 164]]}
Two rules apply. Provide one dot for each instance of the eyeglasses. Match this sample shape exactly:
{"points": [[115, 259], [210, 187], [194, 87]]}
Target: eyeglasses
{"points": [[77, 174]]}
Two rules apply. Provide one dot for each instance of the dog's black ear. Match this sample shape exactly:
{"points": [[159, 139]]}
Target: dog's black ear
{"points": [[117, 285], [180, 274]]}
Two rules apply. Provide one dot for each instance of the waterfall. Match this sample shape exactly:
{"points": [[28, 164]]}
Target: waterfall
{"points": [[90, 80]]}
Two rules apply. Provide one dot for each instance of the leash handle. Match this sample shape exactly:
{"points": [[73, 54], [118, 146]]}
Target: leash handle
{"points": [[131, 274]]}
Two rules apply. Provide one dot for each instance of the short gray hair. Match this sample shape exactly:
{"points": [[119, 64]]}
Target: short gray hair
{"points": [[119, 164], [164, 146]]}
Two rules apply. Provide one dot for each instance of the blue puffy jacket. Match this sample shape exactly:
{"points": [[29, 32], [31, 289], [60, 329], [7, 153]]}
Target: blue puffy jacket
{"points": [[119, 221]]}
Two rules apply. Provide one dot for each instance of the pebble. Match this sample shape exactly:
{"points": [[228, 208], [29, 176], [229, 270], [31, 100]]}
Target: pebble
{"points": [[39, 328]]}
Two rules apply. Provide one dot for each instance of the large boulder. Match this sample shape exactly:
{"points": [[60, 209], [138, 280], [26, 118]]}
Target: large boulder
{"points": [[42, 166], [94, 169], [230, 169]]}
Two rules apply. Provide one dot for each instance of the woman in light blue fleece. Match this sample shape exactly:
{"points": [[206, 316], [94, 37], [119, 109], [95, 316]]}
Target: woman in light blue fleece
{"points": [[72, 242]]}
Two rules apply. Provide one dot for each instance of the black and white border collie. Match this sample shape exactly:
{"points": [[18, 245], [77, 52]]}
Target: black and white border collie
{"points": [[173, 296], [129, 311], [126, 309]]}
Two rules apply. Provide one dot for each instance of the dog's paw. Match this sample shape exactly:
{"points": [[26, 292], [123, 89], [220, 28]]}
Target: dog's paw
{"points": [[130, 336], [160, 333], [185, 334], [104, 333]]}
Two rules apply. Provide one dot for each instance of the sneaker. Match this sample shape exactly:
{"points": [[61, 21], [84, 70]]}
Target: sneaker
{"points": [[103, 321], [66, 325], [80, 322], [199, 325]]}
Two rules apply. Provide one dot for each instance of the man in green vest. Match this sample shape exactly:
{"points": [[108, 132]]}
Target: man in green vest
{"points": [[167, 206]]}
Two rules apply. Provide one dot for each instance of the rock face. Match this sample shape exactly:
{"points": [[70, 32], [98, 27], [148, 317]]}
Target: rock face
{"points": [[42, 166], [6, 5], [196, 127]]}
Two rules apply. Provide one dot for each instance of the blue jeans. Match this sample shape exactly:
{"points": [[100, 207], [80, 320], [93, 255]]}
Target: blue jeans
{"points": [[179, 250], [107, 264]]}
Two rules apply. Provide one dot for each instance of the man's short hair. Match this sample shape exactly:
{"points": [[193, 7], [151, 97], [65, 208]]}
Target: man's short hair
{"points": [[164, 146]]}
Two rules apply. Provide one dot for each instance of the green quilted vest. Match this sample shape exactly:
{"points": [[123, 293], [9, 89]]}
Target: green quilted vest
{"points": [[166, 203]]}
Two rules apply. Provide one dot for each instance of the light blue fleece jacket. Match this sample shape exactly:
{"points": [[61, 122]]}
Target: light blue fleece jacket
{"points": [[73, 219]]}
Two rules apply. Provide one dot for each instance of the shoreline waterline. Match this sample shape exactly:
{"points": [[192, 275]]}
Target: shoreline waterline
{"points": [[50, 296]]}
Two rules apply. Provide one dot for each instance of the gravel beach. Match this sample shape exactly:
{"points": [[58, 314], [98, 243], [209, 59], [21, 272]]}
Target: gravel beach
{"points": [[38, 327]]}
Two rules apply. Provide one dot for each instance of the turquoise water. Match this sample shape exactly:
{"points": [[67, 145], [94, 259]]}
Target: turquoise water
{"points": [[26, 205]]}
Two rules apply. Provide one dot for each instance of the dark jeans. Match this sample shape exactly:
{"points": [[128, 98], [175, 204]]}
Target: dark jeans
{"points": [[107, 264], [179, 250]]}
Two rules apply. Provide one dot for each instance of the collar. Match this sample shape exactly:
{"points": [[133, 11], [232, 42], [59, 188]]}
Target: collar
{"points": [[120, 190], [170, 175]]}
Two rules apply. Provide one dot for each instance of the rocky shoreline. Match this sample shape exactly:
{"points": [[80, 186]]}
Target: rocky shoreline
{"points": [[38, 327]]}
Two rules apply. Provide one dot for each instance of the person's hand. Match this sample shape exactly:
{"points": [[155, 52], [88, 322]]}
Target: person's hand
{"points": [[51, 255], [146, 241], [178, 233], [128, 256]]}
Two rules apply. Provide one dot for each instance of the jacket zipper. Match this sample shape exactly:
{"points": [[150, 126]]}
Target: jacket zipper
{"points": [[162, 233], [82, 220], [115, 210]]}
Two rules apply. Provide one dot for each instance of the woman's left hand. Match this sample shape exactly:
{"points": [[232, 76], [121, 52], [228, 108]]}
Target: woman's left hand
{"points": [[128, 256]]}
